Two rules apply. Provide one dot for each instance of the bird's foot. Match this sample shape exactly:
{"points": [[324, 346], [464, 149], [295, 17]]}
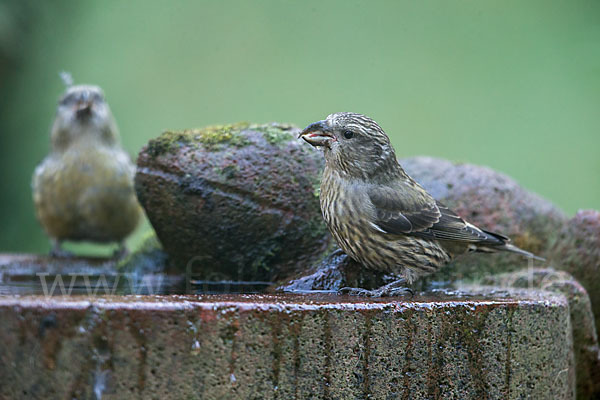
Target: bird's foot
{"points": [[399, 291], [396, 288], [121, 252], [58, 252], [337, 252], [353, 291]]}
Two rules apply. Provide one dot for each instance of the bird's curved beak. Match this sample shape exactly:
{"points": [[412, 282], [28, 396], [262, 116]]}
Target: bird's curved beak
{"points": [[84, 109], [84, 105], [318, 134]]}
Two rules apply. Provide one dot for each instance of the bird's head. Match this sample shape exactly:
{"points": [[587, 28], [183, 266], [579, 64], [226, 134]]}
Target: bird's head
{"points": [[82, 110], [354, 145]]}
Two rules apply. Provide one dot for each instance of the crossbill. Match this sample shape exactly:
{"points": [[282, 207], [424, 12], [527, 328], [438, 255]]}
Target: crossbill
{"points": [[380, 216], [83, 190]]}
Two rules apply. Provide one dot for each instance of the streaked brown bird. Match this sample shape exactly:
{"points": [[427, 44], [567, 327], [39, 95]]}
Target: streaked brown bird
{"points": [[380, 216], [83, 190]]}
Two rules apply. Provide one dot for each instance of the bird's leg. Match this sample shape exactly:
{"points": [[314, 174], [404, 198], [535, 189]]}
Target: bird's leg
{"points": [[395, 288], [57, 251], [121, 252], [337, 252]]}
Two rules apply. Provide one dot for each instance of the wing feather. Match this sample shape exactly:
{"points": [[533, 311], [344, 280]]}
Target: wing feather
{"points": [[421, 215], [399, 213]]}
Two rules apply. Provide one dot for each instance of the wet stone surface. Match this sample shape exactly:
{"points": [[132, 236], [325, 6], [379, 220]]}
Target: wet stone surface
{"points": [[585, 338], [28, 274], [479, 343]]}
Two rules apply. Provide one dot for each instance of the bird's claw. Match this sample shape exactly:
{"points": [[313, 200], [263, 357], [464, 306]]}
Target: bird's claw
{"points": [[384, 291], [358, 292], [121, 252], [338, 252], [399, 291], [58, 252]]}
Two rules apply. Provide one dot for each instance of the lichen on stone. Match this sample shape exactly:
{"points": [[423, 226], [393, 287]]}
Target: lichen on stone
{"points": [[212, 137], [167, 142], [275, 133]]}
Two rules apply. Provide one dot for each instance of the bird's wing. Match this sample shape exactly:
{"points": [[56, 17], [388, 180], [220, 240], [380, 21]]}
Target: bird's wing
{"points": [[402, 210], [453, 227], [418, 214]]}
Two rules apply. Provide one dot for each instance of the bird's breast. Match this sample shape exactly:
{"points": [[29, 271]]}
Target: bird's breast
{"points": [[345, 212]]}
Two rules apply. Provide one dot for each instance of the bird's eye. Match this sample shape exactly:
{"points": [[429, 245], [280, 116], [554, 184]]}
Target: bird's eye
{"points": [[348, 134], [97, 98], [67, 100]]}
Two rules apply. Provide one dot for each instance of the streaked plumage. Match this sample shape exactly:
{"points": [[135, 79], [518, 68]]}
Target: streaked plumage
{"points": [[378, 214]]}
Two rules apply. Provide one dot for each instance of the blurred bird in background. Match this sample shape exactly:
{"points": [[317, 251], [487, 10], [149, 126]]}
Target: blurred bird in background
{"points": [[379, 215], [83, 190]]}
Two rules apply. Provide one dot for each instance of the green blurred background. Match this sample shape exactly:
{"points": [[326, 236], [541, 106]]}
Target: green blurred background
{"points": [[514, 85]]}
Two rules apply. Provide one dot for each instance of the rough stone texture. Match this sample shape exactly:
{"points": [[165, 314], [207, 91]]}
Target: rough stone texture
{"points": [[505, 345], [585, 338], [492, 201], [577, 251], [234, 202]]}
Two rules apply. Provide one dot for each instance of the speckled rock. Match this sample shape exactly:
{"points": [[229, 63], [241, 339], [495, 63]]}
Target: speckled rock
{"points": [[585, 338], [234, 202], [577, 251], [505, 345], [492, 201]]}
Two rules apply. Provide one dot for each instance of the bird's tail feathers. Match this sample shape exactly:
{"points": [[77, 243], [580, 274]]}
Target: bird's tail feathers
{"points": [[508, 247], [498, 242], [515, 249]]}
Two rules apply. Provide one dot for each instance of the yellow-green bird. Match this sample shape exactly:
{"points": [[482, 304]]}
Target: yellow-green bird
{"points": [[83, 190], [380, 216]]}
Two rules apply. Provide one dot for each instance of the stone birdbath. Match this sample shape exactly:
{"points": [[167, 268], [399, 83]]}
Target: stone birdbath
{"points": [[234, 295]]}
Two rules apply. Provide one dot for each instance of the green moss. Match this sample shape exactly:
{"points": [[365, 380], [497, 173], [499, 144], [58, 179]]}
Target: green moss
{"points": [[216, 136], [275, 133], [167, 142], [211, 137]]}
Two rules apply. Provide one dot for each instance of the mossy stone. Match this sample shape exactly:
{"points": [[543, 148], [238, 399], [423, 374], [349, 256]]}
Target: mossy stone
{"points": [[234, 202], [210, 136]]}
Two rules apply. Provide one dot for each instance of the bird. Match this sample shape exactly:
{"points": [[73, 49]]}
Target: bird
{"points": [[380, 216], [83, 190]]}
